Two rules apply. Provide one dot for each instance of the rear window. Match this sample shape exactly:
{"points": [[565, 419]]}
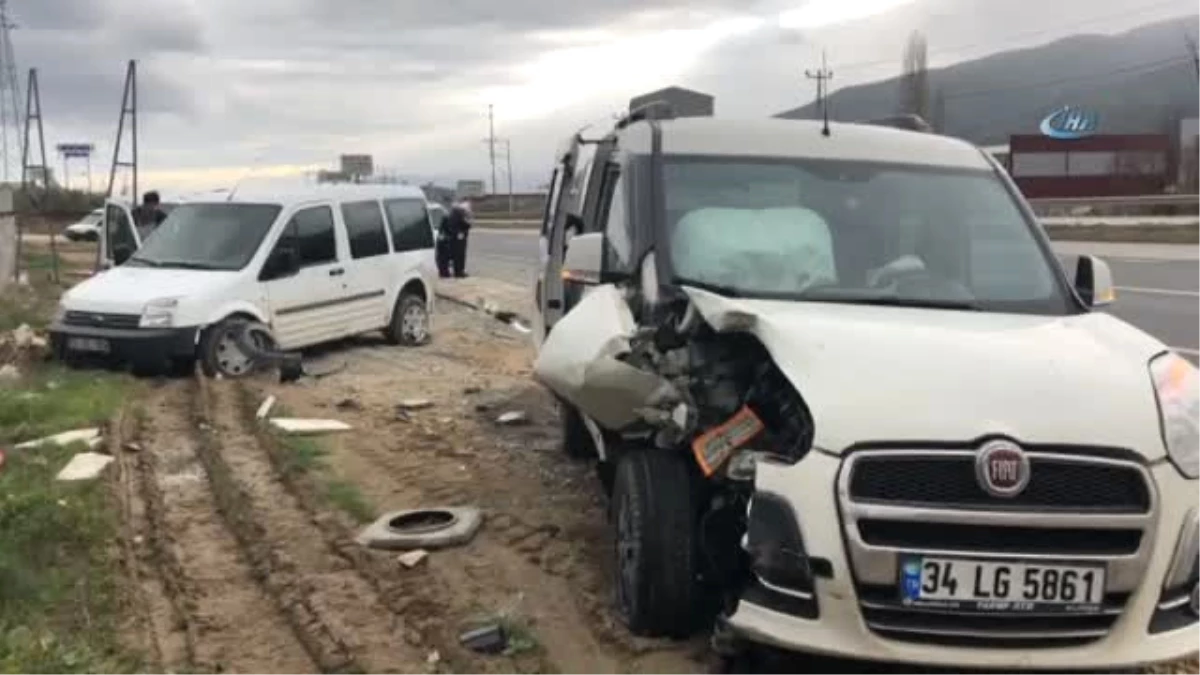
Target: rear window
{"points": [[365, 229], [409, 223]]}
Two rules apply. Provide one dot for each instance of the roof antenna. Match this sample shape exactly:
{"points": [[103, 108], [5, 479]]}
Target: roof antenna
{"points": [[258, 158], [822, 77]]}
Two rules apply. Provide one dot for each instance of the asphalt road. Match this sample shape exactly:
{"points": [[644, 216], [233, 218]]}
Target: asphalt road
{"points": [[1158, 287]]}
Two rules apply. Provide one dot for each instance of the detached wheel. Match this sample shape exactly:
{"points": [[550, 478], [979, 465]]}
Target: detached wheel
{"points": [[576, 439], [654, 513], [410, 322], [221, 354]]}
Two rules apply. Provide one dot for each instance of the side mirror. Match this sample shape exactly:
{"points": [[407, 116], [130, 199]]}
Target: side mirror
{"points": [[585, 258], [284, 262], [1094, 282], [121, 253]]}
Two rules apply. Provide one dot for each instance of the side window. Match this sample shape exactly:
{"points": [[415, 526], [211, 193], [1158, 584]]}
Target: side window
{"points": [[365, 229], [311, 231], [618, 244], [552, 200], [409, 223], [118, 229]]}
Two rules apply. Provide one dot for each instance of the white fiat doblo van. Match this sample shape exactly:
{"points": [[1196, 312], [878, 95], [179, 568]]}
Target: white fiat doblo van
{"points": [[314, 263], [846, 401]]}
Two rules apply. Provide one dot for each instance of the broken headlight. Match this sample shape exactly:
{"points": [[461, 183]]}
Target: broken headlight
{"points": [[1175, 387], [775, 546]]}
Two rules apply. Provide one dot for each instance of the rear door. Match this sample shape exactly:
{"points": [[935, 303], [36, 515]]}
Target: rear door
{"points": [[411, 225], [118, 237], [306, 306], [369, 269]]}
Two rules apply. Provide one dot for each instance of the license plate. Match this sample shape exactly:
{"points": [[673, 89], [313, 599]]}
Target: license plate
{"points": [[1000, 586], [94, 345]]}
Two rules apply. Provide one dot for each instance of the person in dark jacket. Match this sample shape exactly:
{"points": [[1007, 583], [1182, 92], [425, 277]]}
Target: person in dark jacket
{"points": [[457, 227], [149, 215]]}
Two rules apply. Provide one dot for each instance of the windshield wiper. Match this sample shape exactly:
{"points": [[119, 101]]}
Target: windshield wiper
{"points": [[895, 301], [187, 265]]}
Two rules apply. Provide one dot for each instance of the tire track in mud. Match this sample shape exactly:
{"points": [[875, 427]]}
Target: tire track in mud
{"points": [[227, 620], [351, 626]]}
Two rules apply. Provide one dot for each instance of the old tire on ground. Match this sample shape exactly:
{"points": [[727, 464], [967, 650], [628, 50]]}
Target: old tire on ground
{"points": [[576, 439], [422, 528], [220, 353], [655, 518], [410, 321]]}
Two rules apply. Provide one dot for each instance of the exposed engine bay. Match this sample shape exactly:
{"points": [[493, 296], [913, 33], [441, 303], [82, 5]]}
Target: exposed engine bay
{"points": [[673, 382]]}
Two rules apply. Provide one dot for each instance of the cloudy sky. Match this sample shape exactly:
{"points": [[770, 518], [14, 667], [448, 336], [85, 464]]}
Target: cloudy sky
{"points": [[284, 86]]}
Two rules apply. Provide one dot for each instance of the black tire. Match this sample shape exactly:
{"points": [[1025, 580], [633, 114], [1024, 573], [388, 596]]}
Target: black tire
{"points": [[215, 342], [655, 544], [576, 439], [397, 332]]}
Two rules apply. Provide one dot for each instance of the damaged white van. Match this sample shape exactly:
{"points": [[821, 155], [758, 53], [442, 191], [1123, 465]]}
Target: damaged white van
{"points": [[314, 263], [847, 401]]}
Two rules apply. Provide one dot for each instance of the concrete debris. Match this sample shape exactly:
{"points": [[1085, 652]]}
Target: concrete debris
{"points": [[132, 447], [434, 658], [24, 337], [490, 639], [308, 426], [9, 373], [415, 404], [513, 418], [84, 466], [89, 436], [412, 558], [265, 408]]}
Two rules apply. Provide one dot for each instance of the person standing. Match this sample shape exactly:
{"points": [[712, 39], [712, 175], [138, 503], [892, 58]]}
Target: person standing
{"points": [[149, 215], [458, 228]]}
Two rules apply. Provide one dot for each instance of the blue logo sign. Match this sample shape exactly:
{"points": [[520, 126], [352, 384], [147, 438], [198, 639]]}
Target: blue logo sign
{"points": [[910, 573], [1067, 123]]}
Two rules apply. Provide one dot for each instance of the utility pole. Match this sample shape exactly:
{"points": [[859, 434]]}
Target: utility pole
{"points": [[30, 171], [822, 76], [508, 162], [10, 91], [128, 109], [492, 144]]}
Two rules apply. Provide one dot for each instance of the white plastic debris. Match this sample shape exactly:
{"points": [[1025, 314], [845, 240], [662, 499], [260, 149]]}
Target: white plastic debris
{"points": [[512, 418], [90, 436], [308, 426], [412, 558], [415, 404], [265, 408], [84, 466]]}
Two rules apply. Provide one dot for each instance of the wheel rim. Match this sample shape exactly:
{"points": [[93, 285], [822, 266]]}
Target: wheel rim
{"points": [[231, 360], [414, 324], [629, 553]]}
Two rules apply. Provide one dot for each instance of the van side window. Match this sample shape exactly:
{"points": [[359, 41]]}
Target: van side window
{"points": [[365, 229], [119, 229], [311, 230], [618, 241], [409, 223]]}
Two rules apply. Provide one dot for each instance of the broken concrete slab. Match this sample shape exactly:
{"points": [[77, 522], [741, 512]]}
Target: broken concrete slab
{"points": [[414, 404], [308, 426], [422, 529], [90, 436], [84, 466], [265, 408], [412, 558]]}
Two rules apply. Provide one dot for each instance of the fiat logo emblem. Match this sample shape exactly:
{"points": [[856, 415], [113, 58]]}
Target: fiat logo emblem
{"points": [[1002, 469]]}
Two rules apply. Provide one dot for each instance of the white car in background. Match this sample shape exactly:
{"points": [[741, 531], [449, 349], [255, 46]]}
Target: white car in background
{"points": [[87, 229]]}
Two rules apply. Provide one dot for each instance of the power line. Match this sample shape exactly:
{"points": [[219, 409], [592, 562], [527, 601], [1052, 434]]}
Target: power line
{"points": [[1018, 36]]}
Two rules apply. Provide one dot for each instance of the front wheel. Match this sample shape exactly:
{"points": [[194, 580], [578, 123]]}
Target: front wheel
{"points": [[653, 508], [410, 322], [221, 354]]}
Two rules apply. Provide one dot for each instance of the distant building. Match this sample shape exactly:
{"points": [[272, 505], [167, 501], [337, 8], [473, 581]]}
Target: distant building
{"points": [[357, 167], [467, 189], [683, 102], [439, 194]]}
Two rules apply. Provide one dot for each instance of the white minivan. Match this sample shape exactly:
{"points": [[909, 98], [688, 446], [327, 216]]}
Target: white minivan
{"points": [[314, 263]]}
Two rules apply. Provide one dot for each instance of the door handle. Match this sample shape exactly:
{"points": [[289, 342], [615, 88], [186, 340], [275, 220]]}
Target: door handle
{"points": [[337, 272]]}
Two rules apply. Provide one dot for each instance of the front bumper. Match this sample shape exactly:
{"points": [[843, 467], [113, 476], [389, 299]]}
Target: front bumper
{"points": [[140, 346], [839, 627]]}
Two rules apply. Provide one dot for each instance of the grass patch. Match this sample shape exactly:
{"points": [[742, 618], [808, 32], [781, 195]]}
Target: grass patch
{"points": [[51, 400], [59, 597], [303, 455]]}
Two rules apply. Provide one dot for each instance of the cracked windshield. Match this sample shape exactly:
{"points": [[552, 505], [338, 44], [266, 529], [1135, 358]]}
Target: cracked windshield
{"points": [[644, 336]]}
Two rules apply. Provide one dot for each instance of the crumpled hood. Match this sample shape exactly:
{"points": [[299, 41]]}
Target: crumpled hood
{"points": [[871, 373], [126, 290]]}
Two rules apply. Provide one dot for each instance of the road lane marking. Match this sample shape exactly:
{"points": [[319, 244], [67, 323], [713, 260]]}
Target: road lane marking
{"points": [[1158, 291]]}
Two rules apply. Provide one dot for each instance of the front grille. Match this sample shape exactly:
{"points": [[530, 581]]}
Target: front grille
{"points": [[949, 481], [101, 320], [1078, 508]]}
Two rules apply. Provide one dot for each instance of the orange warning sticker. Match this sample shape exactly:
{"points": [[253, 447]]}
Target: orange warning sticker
{"points": [[714, 446]]}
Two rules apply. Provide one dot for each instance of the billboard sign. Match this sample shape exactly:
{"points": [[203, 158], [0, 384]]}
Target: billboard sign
{"points": [[1069, 123], [75, 149], [357, 165]]}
